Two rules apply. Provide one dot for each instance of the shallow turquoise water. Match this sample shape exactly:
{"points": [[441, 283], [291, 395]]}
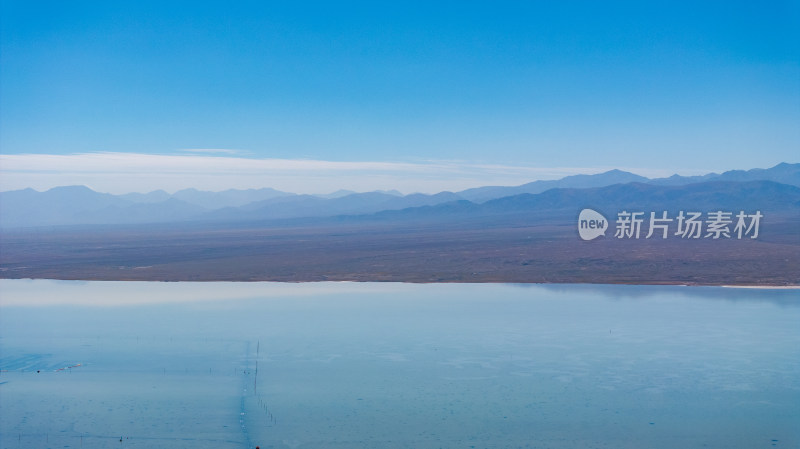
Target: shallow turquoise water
{"points": [[202, 365]]}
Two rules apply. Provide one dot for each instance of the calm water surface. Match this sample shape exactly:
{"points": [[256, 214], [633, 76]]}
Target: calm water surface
{"points": [[343, 365]]}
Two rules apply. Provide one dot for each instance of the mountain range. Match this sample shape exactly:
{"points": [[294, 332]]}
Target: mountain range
{"points": [[776, 188]]}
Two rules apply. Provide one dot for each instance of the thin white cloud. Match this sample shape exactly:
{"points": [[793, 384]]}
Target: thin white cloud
{"points": [[140, 172], [227, 151]]}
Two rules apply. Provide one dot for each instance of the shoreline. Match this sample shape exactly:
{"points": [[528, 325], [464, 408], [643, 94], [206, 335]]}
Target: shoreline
{"points": [[361, 281]]}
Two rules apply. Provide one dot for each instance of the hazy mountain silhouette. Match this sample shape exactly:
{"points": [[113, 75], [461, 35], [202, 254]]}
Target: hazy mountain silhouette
{"points": [[764, 189], [314, 206], [784, 173], [208, 200], [481, 194], [59, 205], [558, 204], [80, 205], [228, 198], [707, 196], [155, 196], [337, 194]]}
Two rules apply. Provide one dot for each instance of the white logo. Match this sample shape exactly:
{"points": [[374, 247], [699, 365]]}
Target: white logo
{"points": [[718, 225], [591, 224]]}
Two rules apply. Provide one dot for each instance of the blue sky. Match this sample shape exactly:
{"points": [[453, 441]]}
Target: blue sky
{"points": [[534, 89]]}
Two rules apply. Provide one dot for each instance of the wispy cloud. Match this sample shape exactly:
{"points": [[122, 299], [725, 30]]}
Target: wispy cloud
{"points": [[140, 172], [227, 151]]}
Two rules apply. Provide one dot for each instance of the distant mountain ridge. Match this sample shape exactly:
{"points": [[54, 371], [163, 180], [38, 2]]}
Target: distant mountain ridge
{"points": [[481, 194], [74, 205], [556, 204], [783, 173], [209, 200]]}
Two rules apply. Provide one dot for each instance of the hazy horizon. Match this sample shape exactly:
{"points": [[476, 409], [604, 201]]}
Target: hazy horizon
{"points": [[119, 173]]}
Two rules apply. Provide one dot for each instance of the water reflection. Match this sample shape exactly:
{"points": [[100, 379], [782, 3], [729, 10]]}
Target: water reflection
{"points": [[31, 293], [396, 365], [783, 296]]}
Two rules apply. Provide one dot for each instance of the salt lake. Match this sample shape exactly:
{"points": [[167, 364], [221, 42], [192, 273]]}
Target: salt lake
{"points": [[386, 365]]}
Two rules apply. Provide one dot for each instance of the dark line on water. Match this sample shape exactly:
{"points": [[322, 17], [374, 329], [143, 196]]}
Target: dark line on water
{"points": [[245, 384]]}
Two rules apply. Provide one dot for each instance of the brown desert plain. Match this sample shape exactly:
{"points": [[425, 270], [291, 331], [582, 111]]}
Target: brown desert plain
{"points": [[516, 251]]}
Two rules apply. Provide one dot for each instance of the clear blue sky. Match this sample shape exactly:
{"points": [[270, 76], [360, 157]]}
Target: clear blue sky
{"points": [[654, 85]]}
